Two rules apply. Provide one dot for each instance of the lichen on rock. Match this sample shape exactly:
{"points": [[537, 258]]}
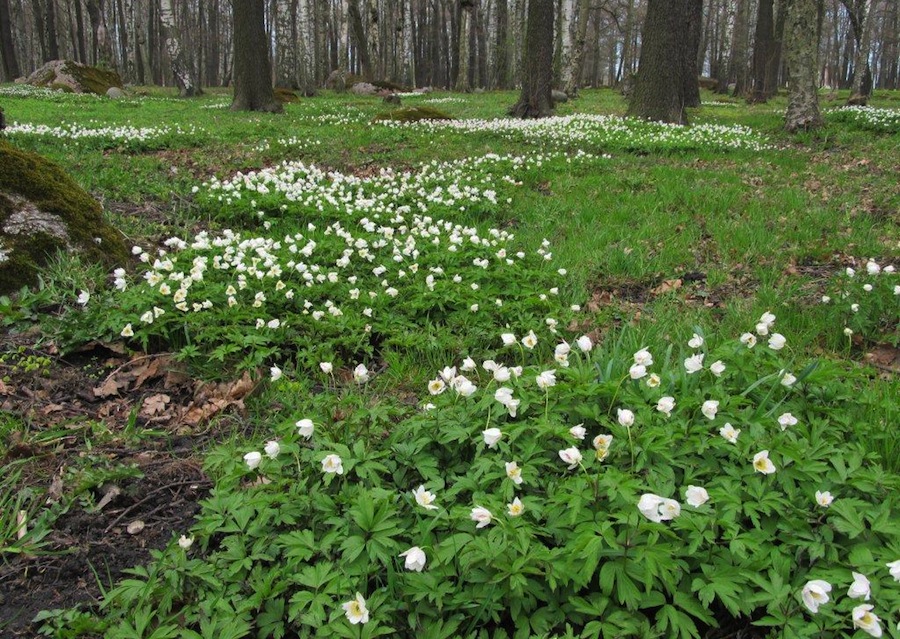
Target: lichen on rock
{"points": [[42, 211]]}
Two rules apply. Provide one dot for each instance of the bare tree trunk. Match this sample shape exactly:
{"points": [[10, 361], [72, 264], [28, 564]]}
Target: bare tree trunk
{"points": [[285, 43], [572, 72], [738, 65], [374, 39], [7, 46], [861, 90], [100, 43], [184, 78], [627, 46], [359, 38], [536, 100], [802, 57], [139, 41], [79, 30], [762, 52], [123, 42], [462, 65], [408, 56], [252, 69], [668, 56], [501, 46]]}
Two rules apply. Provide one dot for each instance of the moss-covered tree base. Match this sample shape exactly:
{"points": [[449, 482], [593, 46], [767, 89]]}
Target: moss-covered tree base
{"points": [[42, 211], [414, 114]]}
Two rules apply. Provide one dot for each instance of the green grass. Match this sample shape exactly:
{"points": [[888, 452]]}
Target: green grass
{"points": [[657, 244]]}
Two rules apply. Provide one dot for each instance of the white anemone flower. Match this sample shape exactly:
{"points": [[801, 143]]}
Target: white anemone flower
{"points": [[658, 509], [666, 405], [710, 408], [514, 472], [866, 620], [515, 508], [696, 496], [824, 499], [305, 428], [481, 515], [584, 344], [625, 417], [424, 498], [332, 464], [356, 610], [492, 436], [415, 559], [571, 456], [694, 363], [814, 594], [860, 588], [762, 463], [252, 459]]}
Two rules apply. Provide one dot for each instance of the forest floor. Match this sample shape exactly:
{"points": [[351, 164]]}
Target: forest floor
{"points": [[103, 445]]}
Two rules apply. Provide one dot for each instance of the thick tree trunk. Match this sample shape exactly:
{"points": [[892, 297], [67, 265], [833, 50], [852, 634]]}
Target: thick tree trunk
{"points": [[7, 46], [123, 42], [762, 52], [37, 11], [52, 35], [285, 43], [252, 69], [212, 45], [565, 37], [668, 58], [184, 77], [627, 46], [408, 55], [536, 100], [139, 42], [802, 58]]}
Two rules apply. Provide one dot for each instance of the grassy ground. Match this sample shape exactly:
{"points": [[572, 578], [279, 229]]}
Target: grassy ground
{"points": [[655, 242]]}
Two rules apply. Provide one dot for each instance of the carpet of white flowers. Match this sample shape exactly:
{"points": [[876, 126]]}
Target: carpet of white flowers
{"points": [[107, 136], [593, 132], [869, 118], [609, 492]]}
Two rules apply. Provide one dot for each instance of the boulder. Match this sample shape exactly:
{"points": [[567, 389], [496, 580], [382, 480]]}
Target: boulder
{"points": [[115, 93], [42, 211], [68, 75], [392, 98], [559, 97], [364, 88]]}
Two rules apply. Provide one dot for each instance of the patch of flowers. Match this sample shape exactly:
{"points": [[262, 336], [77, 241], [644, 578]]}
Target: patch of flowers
{"points": [[592, 132], [867, 118], [347, 288], [109, 136], [719, 103], [46, 94], [453, 186], [292, 142], [447, 100], [866, 301], [603, 491]]}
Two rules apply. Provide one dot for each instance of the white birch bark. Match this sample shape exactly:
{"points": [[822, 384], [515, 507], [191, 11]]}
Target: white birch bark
{"points": [[567, 41], [861, 60], [183, 76], [408, 62]]}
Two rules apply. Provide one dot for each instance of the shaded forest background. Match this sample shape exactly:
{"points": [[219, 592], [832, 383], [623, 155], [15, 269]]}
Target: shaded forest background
{"points": [[462, 44]]}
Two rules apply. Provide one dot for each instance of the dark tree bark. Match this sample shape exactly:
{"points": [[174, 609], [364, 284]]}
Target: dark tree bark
{"points": [[536, 100], [501, 44], [763, 46], [79, 31], [688, 54], [359, 38], [52, 35], [212, 44], [801, 35], [466, 8], [668, 58], [100, 43], [252, 69], [37, 10], [7, 46]]}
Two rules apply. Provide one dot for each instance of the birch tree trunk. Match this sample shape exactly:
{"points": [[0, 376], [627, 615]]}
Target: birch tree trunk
{"points": [[184, 77], [465, 26], [286, 43], [801, 35], [374, 38], [566, 38], [572, 79], [408, 61]]}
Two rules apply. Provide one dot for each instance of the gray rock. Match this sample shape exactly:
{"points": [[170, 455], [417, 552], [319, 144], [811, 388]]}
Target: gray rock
{"points": [[364, 88], [559, 96], [115, 93]]}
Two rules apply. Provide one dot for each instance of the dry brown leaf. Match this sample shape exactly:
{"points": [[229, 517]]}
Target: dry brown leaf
{"points": [[52, 408], [55, 492], [155, 405], [667, 286], [885, 356], [4, 389], [111, 493], [109, 387]]}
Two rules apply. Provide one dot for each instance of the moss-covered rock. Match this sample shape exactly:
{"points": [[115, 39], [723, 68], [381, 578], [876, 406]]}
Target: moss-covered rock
{"points": [[42, 211], [74, 76], [286, 96], [414, 114]]}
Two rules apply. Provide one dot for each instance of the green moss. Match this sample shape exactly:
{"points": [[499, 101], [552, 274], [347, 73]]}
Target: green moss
{"points": [[92, 79], [46, 185], [58, 86], [285, 95], [414, 114]]}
